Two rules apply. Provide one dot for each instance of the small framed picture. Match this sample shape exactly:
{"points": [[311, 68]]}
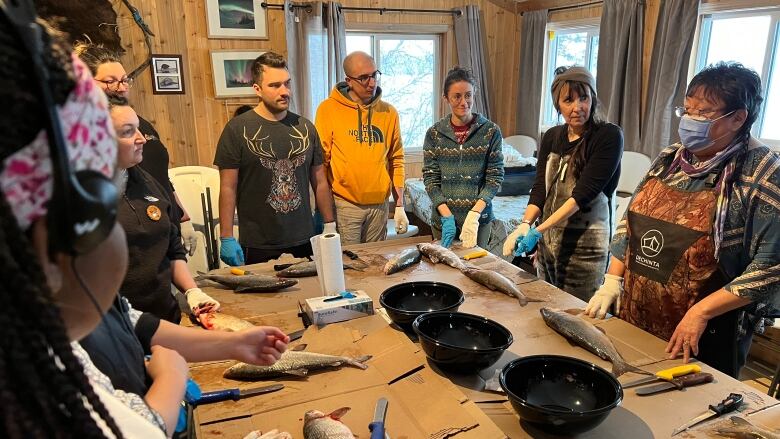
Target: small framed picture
{"points": [[167, 77], [233, 72], [236, 19]]}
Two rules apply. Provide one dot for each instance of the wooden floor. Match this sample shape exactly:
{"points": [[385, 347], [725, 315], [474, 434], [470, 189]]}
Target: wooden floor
{"points": [[757, 374]]}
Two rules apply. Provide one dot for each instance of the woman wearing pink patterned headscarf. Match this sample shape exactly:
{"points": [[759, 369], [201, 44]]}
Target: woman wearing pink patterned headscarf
{"points": [[51, 298]]}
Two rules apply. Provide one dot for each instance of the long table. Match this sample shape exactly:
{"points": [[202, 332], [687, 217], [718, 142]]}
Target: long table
{"points": [[636, 417]]}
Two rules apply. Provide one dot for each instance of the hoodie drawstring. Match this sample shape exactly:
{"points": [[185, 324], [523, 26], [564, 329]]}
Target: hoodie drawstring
{"points": [[360, 125], [370, 129]]}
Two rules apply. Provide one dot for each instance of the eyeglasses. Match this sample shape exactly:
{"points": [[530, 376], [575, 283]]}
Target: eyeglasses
{"points": [[115, 83], [701, 115], [364, 79]]}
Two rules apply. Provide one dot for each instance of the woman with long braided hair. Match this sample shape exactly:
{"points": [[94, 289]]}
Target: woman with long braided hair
{"points": [[47, 295]]}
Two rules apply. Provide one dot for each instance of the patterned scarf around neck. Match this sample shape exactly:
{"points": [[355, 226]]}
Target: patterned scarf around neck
{"points": [[683, 160]]}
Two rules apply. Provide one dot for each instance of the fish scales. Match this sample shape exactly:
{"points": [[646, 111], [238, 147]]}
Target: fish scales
{"points": [[744, 429], [293, 363], [589, 337], [309, 269], [402, 260]]}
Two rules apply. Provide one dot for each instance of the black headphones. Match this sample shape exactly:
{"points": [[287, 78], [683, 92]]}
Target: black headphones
{"points": [[82, 211]]}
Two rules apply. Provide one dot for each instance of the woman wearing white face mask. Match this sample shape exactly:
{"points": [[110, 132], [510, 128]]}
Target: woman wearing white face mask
{"points": [[696, 259]]}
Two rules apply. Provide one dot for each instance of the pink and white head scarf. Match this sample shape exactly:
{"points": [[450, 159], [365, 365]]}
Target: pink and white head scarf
{"points": [[26, 177]]}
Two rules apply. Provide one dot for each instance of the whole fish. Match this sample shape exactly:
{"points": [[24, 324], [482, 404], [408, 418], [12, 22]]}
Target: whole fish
{"points": [[296, 363], [248, 282], [437, 253], [744, 429], [401, 261], [496, 282], [318, 425], [588, 336], [223, 322], [308, 269]]}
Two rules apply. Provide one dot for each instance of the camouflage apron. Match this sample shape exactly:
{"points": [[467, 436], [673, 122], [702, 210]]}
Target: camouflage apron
{"points": [[670, 265], [573, 255]]}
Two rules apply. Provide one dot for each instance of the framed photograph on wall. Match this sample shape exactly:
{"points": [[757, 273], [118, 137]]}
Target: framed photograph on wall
{"points": [[167, 77], [233, 72], [236, 19]]}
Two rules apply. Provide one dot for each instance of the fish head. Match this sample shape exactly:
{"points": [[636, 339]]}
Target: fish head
{"points": [[207, 320], [312, 415], [546, 312]]}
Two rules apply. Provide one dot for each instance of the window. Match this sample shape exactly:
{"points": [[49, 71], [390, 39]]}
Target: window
{"points": [[410, 78], [568, 47], [750, 38]]}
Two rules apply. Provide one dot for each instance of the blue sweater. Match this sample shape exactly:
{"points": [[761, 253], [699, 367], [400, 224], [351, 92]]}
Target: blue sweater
{"points": [[459, 175]]}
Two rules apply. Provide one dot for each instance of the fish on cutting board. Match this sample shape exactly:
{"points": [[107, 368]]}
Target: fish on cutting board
{"points": [[248, 282], [318, 425], [744, 429], [223, 322], [437, 253], [403, 260], [496, 282], [589, 337], [293, 362]]}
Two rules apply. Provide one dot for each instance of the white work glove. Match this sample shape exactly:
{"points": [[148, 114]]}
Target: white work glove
{"points": [[200, 302], [329, 228], [511, 241], [605, 296], [401, 221], [468, 233]]}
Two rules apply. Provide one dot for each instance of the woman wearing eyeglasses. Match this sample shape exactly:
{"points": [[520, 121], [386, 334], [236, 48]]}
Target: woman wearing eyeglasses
{"points": [[696, 258], [463, 166], [577, 173]]}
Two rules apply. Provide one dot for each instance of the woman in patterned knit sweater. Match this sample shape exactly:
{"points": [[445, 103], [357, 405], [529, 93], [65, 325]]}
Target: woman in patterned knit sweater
{"points": [[463, 166], [577, 173]]}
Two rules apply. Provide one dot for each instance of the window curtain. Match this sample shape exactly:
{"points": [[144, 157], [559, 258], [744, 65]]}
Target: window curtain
{"points": [[619, 79], [672, 46], [471, 54], [529, 94], [316, 47]]}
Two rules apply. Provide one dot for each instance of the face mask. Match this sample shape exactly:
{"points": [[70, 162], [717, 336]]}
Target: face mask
{"points": [[695, 134]]}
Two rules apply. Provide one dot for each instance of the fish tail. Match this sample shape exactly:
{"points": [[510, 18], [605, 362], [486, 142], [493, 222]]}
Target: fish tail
{"points": [[619, 368], [359, 361]]}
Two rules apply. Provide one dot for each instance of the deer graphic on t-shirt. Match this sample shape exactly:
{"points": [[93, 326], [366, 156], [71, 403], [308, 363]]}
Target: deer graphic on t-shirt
{"points": [[284, 196]]}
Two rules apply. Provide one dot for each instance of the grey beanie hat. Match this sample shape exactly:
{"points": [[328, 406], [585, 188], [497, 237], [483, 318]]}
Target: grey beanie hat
{"points": [[577, 74]]}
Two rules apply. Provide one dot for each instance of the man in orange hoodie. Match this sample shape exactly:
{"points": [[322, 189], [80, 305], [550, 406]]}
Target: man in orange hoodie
{"points": [[362, 153]]}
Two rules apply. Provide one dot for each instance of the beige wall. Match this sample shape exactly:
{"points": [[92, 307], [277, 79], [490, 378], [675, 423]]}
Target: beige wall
{"points": [[190, 124]]}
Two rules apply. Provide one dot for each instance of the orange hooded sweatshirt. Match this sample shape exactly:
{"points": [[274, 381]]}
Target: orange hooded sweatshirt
{"points": [[361, 146]]}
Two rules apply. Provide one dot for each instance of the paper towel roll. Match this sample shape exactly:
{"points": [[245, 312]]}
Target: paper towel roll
{"points": [[327, 258]]}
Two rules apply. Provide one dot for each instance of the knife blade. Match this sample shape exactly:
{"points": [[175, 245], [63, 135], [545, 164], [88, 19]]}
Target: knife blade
{"points": [[236, 394], [678, 383], [295, 335], [728, 405], [377, 427], [665, 375]]}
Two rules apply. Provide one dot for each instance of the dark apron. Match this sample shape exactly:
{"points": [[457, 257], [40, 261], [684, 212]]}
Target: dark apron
{"points": [[573, 255], [670, 265]]}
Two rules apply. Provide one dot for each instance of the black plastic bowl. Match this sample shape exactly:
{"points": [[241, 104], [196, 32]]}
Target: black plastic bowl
{"points": [[461, 342], [405, 301], [560, 394]]}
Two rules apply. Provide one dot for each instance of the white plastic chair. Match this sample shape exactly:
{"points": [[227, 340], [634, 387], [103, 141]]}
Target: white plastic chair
{"points": [[195, 244], [525, 145], [633, 168], [190, 182]]}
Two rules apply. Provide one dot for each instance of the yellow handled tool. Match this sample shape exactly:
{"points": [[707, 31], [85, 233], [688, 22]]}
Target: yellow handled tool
{"points": [[239, 272], [666, 375], [475, 254]]}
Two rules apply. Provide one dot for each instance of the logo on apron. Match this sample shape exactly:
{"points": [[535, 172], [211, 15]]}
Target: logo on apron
{"points": [[658, 246], [652, 243]]}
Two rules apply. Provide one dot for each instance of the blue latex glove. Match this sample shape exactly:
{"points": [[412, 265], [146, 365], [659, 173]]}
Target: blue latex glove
{"points": [[529, 242], [230, 252], [447, 230]]}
